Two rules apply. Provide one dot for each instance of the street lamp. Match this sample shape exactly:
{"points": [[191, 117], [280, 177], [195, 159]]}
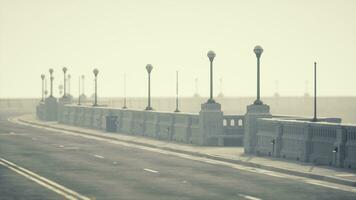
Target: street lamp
{"points": [[64, 81], [211, 55], [96, 72], [315, 117], [149, 68], [177, 110], [42, 77], [51, 78], [258, 51]]}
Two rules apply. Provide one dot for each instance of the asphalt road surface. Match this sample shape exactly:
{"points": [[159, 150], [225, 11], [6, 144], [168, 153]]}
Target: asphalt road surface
{"points": [[104, 170]]}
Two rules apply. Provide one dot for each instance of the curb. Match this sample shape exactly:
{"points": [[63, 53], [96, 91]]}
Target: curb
{"points": [[228, 160]]}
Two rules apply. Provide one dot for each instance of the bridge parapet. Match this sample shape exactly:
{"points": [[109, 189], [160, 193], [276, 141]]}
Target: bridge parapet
{"points": [[317, 142]]}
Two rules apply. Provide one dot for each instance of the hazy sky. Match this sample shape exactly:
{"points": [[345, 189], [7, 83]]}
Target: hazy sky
{"points": [[121, 37]]}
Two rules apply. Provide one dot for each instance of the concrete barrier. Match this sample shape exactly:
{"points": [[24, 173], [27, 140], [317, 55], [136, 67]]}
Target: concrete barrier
{"points": [[182, 127], [165, 126], [349, 147], [151, 124], [317, 142]]}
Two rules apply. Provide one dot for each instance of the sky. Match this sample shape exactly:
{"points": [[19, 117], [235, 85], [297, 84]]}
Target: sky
{"points": [[121, 36]]}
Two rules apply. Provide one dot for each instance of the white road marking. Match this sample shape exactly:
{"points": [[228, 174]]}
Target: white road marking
{"points": [[151, 170], [55, 187], [71, 148], [345, 175], [98, 156], [195, 158], [61, 146], [249, 197], [322, 184]]}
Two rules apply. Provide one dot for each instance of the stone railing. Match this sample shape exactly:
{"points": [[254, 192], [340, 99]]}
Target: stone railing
{"points": [[317, 142], [233, 130], [169, 126]]}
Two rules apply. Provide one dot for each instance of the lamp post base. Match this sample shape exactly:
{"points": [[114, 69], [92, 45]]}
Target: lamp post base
{"points": [[95, 104], [258, 102], [211, 101], [177, 110], [149, 108]]}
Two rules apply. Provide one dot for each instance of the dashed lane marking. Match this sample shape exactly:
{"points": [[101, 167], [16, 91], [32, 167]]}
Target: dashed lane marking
{"points": [[249, 197], [98, 156], [151, 170]]}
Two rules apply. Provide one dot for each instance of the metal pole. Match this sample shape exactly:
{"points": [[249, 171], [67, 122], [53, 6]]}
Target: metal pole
{"points": [[69, 84], [42, 89], [64, 85], [211, 81], [124, 92], [51, 86], [177, 105], [95, 104], [258, 79], [149, 91], [79, 90], [46, 87], [315, 117]]}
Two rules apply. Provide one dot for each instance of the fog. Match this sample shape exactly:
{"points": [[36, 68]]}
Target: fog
{"points": [[120, 37]]}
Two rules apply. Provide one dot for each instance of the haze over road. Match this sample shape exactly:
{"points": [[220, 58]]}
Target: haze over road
{"points": [[107, 170]]}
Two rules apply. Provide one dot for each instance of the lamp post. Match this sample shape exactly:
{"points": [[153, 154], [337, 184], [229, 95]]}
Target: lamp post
{"points": [[96, 72], [315, 117], [211, 55], [149, 68], [64, 81], [258, 51], [42, 77], [69, 76], [51, 78], [124, 107], [46, 91], [177, 110]]}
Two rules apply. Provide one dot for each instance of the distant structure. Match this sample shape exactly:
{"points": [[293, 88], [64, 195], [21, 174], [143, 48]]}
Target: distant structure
{"points": [[306, 93], [196, 93], [83, 97], [60, 89], [276, 93], [221, 95]]}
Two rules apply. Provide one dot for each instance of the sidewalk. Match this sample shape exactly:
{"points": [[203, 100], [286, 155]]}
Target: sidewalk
{"points": [[226, 154]]}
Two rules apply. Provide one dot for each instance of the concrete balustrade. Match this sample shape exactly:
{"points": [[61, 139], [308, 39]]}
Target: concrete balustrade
{"points": [[233, 130], [317, 142], [347, 149]]}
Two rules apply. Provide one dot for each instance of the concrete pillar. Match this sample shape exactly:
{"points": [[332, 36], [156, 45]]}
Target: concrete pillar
{"points": [[210, 124], [307, 143], [339, 147], [253, 113], [51, 108], [278, 140], [61, 102]]}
